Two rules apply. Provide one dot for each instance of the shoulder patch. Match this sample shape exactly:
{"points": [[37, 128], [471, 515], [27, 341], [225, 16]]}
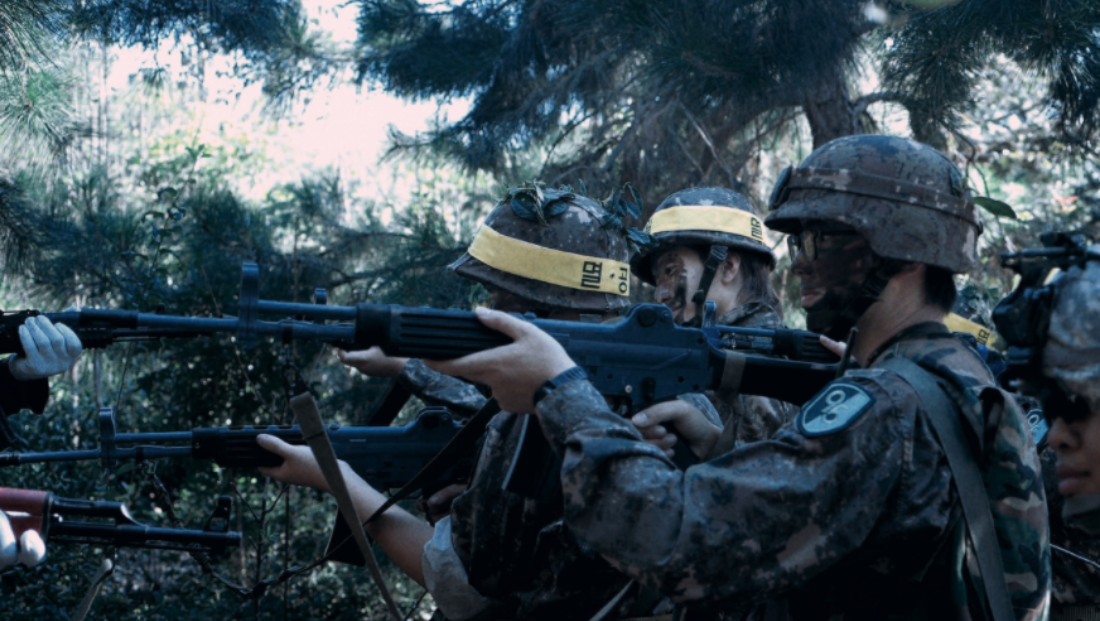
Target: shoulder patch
{"points": [[835, 409]]}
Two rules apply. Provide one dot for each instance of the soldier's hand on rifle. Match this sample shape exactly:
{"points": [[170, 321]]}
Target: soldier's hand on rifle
{"points": [[299, 467], [28, 550], [836, 347], [438, 505], [515, 371], [373, 362], [657, 422], [50, 349]]}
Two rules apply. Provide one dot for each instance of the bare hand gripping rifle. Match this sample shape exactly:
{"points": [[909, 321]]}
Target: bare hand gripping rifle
{"points": [[641, 359], [105, 523]]}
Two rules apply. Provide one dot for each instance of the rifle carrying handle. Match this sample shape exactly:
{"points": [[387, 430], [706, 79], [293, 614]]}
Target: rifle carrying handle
{"points": [[26, 509]]}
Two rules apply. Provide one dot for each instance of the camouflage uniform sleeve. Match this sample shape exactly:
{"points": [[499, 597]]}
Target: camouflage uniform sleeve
{"points": [[446, 579], [757, 520], [750, 418], [463, 398]]}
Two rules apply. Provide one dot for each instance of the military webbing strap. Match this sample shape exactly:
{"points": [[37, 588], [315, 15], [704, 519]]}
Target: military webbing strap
{"points": [[716, 256], [463, 443], [968, 481], [313, 432]]}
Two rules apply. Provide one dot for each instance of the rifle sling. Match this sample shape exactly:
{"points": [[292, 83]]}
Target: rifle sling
{"points": [[945, 419], [733, 372], [464, 442], [396, 398], [313, 432]]}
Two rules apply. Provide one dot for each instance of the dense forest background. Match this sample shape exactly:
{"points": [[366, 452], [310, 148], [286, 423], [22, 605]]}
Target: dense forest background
{"points": [[128, 197]]}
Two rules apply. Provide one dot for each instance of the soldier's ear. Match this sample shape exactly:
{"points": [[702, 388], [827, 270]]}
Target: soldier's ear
{"points": [[731, 268]]}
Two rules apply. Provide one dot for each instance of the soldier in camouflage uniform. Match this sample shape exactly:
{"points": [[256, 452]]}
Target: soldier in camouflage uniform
{"points": [[709, 245], [1071, 463], [504, 554], [850, 511]]}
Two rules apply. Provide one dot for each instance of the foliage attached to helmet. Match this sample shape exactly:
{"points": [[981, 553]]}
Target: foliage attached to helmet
{"points": [[550, 248]]}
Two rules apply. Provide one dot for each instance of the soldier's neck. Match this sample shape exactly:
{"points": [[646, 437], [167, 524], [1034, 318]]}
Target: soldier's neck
{"points": [[900, 306]]}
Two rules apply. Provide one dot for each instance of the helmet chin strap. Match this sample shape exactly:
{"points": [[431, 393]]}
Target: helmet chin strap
{"points": [[836, 313], [715, 258]]}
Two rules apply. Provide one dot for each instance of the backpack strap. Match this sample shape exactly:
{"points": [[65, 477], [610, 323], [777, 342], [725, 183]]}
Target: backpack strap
{"points": [[944, 416]]}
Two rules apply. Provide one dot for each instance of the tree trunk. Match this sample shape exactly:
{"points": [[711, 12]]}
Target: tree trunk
{"points": [[830, 112]]}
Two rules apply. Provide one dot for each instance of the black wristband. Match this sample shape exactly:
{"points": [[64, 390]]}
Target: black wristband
{"points": [[569, 375]]}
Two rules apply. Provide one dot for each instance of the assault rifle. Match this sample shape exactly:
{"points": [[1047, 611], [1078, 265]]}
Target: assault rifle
{"points": [[1023, 318], [639, 360], [104, 523], [386, 457]]}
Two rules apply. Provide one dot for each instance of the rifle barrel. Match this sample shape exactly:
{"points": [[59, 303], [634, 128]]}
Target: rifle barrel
{"points": [[307, 311], [135, 453], [140, 536]]}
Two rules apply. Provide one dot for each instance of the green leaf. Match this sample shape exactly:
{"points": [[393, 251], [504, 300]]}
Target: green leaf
{"points": [[995, 207]]}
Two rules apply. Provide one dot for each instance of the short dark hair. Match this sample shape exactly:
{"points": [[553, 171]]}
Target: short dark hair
{"points": [[939, 288]]}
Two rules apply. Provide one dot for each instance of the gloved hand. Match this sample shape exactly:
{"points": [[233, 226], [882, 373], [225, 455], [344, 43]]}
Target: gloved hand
{"points": [[49, 349], [28, 550]]}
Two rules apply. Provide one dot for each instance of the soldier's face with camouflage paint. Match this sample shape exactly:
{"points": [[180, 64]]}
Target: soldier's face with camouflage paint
{"points": [[1076, 443], [677, 273], [831, 263]]}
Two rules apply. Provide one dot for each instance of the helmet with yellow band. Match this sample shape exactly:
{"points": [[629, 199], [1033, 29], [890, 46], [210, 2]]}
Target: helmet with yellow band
{"points": [[702, 217], [551, 247]]}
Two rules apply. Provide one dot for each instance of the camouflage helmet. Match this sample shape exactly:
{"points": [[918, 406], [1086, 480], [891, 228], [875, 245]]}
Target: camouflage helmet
{"points": [[907, 199], [1072, 351], [549, 247], [702, 217]]}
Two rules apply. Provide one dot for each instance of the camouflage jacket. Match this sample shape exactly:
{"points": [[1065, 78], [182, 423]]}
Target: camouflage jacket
{"points": [[849, 511], [462, 398], [1076, 583], [511, 546]]}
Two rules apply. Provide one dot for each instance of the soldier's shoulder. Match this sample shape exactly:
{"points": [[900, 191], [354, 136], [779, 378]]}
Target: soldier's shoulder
{"points": [[857, 395]]}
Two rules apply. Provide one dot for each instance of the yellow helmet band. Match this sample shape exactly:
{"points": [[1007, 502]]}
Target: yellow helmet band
{"points": [[554, 267], [707, 218]]}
